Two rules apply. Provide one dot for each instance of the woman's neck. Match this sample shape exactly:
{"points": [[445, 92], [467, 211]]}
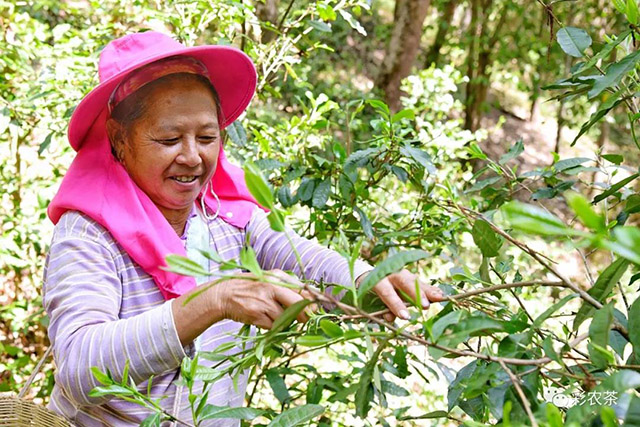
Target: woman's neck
{"points": [[177, 218]]}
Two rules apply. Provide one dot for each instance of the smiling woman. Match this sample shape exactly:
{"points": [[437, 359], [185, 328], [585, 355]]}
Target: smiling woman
{"points": [[151, 178], [171, 149]]}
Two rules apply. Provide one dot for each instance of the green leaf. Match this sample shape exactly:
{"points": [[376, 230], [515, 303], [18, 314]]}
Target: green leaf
{"points": [[280, 390], [297, 415], [601, 289], [626, 243], [615, 187], [321, 194], [585, 212], [621, 381], [101, 376], [45, 144], [152, 420], [615, 73], [481, 185], [573, 41], [285, 197], [394, 389], [364, 394], [633, 204], [534, 220], [183, 265], [237, 134], [239, 413], [632, 11], [632, 417], [276, 221], [331, 328], [320, 26], [608, 417], [380, 106], [549, 351], [515, 150], [427, 416], [621, 6], [388, 266], [486, 239], [554, 416], [125, 374], [111, 390], [353, 22], [312, 340], [420, 157], [305, 191], [288, 316], [326, 12], [600, 326], [634, 325], [407, 113], [440, 325], [600, 356], [367, 228], [249, 261], [565, 164], [614, 158], [257, 185]]}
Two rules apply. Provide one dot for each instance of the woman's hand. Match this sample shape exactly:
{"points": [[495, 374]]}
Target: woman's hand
{"points": [[243, 299], [390, 291], [255, 302]]}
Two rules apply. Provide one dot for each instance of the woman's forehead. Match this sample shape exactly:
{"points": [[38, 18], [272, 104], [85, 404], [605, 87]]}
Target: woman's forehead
{"points": [[172, 106]]}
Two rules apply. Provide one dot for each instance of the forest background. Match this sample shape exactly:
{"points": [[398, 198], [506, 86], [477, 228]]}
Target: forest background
{"points": [[489, 145]]}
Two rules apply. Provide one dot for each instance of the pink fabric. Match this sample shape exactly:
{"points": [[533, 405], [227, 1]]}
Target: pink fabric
{"points": [[99, 186], [154, 71]]}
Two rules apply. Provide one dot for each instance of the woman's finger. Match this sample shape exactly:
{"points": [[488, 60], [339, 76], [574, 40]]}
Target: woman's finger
{"points": [[389, 296], [287, 297], [389, 317], [405, 281], [434, 294]]}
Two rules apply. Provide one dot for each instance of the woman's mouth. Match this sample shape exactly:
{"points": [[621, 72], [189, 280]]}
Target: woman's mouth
{"points": [[185, 178]]}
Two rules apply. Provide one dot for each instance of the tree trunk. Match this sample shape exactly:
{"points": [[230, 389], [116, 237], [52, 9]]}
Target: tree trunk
{"points": [[470, 118], [535, 101], [444, 23], [402, 49], [560, 121], [267, 11], [479, 59]]}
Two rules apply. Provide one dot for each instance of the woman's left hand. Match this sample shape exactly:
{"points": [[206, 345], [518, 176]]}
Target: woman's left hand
{"points": [[390, 291]]}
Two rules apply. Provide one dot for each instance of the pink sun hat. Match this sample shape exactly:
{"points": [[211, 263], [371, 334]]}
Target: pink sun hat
{"points": [[231, 72], [98, 186]]}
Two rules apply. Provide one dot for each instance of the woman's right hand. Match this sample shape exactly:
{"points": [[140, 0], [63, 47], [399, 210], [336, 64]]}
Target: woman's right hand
{"points": [[248, 300]]}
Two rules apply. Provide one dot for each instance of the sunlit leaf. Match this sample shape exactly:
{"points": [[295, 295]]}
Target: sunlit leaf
{"points": [[388, 266], [297, 415], [573, 41]]}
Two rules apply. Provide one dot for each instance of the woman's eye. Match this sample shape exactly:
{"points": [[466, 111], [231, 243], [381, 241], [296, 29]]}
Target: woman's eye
{"points": [[168, 141], [208, 138]]}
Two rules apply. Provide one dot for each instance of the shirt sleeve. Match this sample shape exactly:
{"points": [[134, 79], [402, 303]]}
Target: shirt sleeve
{"points": [[273, 250], [82, 296]]}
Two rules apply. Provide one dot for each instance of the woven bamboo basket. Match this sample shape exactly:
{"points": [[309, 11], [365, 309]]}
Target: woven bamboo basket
{"points": [[16, 411]]}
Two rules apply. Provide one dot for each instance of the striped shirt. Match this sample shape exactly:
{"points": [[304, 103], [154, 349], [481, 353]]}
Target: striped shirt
{"points": [[104, 310]]}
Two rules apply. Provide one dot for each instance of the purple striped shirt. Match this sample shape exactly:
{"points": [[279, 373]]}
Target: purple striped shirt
{"points": [[104, 310]]}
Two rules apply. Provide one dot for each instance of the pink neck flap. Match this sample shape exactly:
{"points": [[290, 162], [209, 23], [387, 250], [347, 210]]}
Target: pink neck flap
{"points": [[98, 186]]}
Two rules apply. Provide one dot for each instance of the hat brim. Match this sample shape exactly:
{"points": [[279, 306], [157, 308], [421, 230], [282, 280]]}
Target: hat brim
{"points": [[231, 72]]}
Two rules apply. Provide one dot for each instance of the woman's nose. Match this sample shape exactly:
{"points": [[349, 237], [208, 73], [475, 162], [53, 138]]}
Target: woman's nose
{"points": [[189, 155]]}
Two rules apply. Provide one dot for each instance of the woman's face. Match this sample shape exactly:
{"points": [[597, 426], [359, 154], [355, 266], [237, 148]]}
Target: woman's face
{"points": [[172, 150]]}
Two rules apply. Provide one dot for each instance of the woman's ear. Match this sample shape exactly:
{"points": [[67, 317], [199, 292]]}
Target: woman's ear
{"points": [[116, 133]]}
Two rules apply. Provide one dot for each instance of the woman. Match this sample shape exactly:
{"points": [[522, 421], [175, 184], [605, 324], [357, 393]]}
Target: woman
{"points": [[150, 178]]}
